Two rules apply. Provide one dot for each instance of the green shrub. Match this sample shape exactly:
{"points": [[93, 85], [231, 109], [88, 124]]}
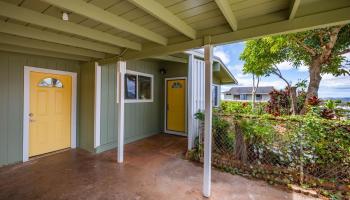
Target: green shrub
{"points": [[281, 149], [233, 107]]}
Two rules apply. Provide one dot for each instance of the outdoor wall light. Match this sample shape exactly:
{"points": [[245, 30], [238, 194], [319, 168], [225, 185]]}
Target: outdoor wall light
{"points": [[65, 16], [162, 71]]}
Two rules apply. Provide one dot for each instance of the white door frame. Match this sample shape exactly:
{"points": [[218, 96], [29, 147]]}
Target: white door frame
{"points": [[26, 106], [165, 107]]}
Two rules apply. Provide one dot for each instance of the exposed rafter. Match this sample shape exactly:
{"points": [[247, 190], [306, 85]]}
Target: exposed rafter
{"points": [[163, 14], [16, 49], [329, 18], [32, 17], [294, 5], [37, 44], [34, 33], [98, 14], [171, 59], [226, 10]]}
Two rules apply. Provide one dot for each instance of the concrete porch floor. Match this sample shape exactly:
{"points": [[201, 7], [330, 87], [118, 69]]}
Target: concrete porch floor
{"points": [[153, 169]]}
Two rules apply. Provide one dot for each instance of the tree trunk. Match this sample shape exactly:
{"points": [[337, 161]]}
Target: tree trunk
{"points": [[293, 99], [240, 145], [314, 84], [255, 87], [253, 99]]}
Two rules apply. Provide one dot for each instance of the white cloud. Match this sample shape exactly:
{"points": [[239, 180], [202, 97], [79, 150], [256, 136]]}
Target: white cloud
{"points": [[284, 66], [330, 81], [236, 69], [241, 75], [303, 68], [246, 80], [223, 56]]}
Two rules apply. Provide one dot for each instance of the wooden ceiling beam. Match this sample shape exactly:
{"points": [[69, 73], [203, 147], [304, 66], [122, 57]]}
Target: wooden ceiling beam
{"points": [[31, 51], [318, 20], [163, 14], [98, 14], [294, 5], [226, 10], [32, 17], [25, 31], [171, 59], [48, 46]]}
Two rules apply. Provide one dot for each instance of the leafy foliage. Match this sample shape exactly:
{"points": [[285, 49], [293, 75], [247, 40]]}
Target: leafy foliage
{"points": [[303, 149], [279, 103], [322, 50], [242, 107], [314, 101]]}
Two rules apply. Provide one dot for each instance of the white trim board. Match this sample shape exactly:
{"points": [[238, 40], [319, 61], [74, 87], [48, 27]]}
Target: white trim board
{"points": [[26, 106], [97, 116], [165, 108]]}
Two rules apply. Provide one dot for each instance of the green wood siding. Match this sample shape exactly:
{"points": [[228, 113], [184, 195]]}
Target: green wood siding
{"points": [[86, 112], [11, 99], [141, 119], [172, 70]]}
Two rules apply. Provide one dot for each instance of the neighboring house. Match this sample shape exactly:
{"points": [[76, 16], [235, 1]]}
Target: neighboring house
{"points": [[245, 94]]}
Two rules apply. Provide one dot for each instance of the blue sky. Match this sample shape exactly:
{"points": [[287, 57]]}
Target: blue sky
{"points": [[330, 86]]}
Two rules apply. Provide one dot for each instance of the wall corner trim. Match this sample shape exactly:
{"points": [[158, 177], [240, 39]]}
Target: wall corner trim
{"points": [[97, 106]]}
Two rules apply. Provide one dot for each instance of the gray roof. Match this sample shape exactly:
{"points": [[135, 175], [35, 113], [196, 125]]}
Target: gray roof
{"points": [[248, 90]]}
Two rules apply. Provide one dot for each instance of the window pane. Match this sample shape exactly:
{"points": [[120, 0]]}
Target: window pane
{"points": [[130, 86], [244, 97], [50, 82], [215, 95], [144, 87], [258, 97]]}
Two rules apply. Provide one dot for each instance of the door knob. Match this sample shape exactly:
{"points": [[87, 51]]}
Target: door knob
{"points": [[30, 117]]}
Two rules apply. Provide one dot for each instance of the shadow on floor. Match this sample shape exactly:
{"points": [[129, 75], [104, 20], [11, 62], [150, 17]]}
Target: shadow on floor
{"points": [[154, 168]]}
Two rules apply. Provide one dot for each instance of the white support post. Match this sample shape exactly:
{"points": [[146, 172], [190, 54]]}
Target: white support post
{"points": [[208, 58], [190, 101], [121, 69], [97, 118]]}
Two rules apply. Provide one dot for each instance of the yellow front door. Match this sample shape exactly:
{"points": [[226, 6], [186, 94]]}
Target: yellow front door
{"points": [[176, 105], [50, 112]]}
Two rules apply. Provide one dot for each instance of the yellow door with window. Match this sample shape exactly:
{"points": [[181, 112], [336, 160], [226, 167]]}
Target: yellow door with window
{"points": [[176, 105], [50, 112]]}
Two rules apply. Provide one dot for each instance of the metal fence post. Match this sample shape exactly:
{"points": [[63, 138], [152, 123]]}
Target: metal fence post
{"points": [[301, 164]]}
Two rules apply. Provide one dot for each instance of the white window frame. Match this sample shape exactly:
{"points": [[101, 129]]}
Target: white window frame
{"points": [[217, 96], [137, 74]]}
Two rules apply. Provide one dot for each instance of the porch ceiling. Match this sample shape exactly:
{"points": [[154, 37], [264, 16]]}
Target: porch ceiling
{"points": [[100, 29]]}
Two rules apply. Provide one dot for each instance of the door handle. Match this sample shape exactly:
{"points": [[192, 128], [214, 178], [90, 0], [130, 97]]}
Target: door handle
{"points": [[30, 117]]}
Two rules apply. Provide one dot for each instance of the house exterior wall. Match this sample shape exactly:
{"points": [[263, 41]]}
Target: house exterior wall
{"points": [[172, 70], [11, 99], [141, 119], [86, 113], [178, 70], [264, 97]]}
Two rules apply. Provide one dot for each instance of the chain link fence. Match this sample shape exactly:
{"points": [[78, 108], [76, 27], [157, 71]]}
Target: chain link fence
{"points": [[307, 153]]}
